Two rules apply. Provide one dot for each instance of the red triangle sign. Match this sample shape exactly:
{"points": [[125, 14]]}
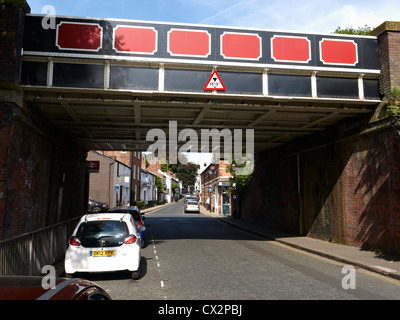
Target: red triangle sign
{"points": [[214, 83]]}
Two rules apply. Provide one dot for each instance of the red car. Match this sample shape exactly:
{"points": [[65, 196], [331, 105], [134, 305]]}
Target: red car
{"points": [[30, 288]]}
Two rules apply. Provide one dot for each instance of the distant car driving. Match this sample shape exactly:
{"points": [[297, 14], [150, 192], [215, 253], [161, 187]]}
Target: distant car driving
{"points": [[191, 206], [97, 206], [190, 198], [104, 242]]}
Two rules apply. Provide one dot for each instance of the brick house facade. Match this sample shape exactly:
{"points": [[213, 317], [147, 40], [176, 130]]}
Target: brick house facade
{"points": [[214, 186], [104, 185]]}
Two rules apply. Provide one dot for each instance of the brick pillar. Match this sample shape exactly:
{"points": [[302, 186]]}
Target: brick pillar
{"points": [[12, 19], [388, 34]]}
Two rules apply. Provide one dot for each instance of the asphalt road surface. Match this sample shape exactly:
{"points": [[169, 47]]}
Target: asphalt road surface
{"points": [[196, 257]]}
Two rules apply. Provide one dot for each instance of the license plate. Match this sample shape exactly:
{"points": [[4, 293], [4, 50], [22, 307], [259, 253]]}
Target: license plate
{"points": [[102, 253]]}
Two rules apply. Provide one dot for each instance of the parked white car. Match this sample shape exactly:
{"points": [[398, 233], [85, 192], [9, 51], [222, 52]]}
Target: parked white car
{"points": [[104, 242]]}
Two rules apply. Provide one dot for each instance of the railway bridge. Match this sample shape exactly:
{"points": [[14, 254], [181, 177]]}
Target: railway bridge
{"points": [[324, 167]]}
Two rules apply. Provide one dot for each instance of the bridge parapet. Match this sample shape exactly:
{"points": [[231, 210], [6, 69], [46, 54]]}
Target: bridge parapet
{"points": [[139, 56]]}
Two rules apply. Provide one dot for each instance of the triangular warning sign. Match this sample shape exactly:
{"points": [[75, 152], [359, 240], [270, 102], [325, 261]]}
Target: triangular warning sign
{"points": [[214, 83]]}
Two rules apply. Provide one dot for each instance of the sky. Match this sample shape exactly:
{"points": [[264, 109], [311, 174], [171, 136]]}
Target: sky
{"points": [[322, 16]]}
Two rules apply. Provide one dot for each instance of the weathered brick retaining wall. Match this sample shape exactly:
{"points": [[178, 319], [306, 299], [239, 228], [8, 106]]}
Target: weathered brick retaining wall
{"points": [[42, 174], [346, 191]]}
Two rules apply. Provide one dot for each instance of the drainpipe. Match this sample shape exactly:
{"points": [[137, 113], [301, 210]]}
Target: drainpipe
{"points": [[301, 217], [109, 185]]}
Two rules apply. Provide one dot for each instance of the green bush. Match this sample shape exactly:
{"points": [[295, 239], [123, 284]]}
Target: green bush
{"points": [[141, 204], [15, 3]]}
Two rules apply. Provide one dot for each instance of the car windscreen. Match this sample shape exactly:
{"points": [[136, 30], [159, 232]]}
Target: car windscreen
{"points": [[102, 233], [192, 203]]}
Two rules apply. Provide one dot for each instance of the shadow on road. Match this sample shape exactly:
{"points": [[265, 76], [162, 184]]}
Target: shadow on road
{"points": [[111, 276]]}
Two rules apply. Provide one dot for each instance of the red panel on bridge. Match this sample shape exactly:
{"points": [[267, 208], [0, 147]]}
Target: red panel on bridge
{"points": [[290, 49], [189, 43], [242, 46], [141, 40], [339, 52], [79, 36]]}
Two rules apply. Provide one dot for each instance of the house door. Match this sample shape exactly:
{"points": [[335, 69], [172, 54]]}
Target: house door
{"points": [[225, 203]]}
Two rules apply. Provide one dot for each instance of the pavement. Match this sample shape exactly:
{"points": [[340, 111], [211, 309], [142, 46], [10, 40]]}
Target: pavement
{"points": [[349, 255]]}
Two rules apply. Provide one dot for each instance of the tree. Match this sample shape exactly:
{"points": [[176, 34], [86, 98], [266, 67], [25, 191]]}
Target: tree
{"points": [[241, 182], [361, 31], [15, 3], [160, 187], [185, 171]]}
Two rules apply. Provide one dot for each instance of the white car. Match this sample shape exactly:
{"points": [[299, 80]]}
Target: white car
{"points": [[192, 206], [104, 242]]}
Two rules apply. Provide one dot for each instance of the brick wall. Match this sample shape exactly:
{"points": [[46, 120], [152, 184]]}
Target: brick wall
{"points": [[388, 34], [42, 181], [5, 129], [101, 185], [132, 159], [349, 191], [43, 177], [272, 200], [11, 37]]}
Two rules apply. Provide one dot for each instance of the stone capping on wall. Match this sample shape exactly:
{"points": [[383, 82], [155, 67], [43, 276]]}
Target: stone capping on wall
{"points": [[393, 26]]}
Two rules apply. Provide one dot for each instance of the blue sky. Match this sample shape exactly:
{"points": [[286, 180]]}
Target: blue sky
{"points": [[322, 16]]}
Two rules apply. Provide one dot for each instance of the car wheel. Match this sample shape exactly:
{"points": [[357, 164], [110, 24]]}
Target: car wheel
{"points": [[135, 274], [96, 209]]}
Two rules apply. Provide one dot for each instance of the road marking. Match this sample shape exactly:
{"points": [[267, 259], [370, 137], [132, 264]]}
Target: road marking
{"points": [[158, 263], [380, 277]]}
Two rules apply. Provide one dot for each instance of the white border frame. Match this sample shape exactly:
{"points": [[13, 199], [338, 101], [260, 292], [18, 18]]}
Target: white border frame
{"points": [[291, 37], [189, 55], [333, 63], [135, 27], [241, 33], [80, 23]]}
